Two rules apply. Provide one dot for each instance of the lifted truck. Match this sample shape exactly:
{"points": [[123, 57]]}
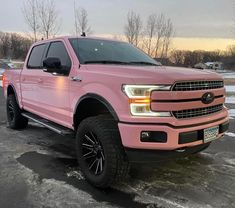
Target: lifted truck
{"points": [[122, 106]]}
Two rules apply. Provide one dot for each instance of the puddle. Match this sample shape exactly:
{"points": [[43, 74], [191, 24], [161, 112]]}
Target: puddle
{"points": [[49, 167]]}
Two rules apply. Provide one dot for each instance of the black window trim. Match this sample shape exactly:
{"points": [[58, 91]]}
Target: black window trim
{"points": [[30, 67]]}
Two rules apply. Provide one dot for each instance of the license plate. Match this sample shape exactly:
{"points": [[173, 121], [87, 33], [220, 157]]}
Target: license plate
{"points": [[211, 134]]}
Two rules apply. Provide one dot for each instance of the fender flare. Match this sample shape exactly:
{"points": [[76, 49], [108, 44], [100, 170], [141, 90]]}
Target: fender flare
{"points": [[100, 99], [12, 86]]}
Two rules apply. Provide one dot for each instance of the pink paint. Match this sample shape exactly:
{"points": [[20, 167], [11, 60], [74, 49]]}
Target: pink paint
{"points": [[56, 97]]}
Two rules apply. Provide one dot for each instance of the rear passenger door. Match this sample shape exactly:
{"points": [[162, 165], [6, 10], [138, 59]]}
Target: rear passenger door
{"points": [[53, 96], [30, 78]]}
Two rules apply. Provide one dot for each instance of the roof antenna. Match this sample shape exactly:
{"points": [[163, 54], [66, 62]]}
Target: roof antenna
{"points": [[83, 34]]}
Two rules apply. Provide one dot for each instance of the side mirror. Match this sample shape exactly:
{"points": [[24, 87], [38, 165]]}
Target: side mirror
{"points": [[52, 65]]}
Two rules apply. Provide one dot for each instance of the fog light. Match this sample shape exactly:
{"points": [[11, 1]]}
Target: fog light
{"points": [[145, 135], [153, 136]]}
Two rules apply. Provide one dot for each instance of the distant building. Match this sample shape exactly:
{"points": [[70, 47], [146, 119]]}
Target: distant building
{"points": [[210, 65], [214, 65]]}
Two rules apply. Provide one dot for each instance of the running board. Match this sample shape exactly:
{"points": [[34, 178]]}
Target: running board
{"points": [[48, 124]]}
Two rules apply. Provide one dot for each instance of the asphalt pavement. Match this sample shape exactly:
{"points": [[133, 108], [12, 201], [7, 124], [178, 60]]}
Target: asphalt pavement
{"points": [[38, 169]]}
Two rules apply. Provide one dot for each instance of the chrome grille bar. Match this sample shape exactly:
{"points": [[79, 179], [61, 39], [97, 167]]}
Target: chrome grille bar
{"points": [[197, 85], [197, 112]]}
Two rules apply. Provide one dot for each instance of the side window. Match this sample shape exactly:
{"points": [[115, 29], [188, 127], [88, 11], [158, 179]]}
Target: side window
{"points": [[58, 50], [35, 58]]}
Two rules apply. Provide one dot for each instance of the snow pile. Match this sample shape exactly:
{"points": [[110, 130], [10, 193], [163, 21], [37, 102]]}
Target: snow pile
{"points": [[230, 100], [230, 134], [230, 88], [232, 112], [229, 75]]}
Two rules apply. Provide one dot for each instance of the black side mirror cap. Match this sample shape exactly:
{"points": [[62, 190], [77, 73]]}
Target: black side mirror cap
{"points": [[52, 65]]}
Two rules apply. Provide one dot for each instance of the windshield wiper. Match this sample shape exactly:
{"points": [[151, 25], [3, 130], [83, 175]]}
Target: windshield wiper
{"points": [[121, 62], [105, 62], [143, 63]]}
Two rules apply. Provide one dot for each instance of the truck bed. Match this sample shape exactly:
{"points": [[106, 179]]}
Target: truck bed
{"points": [[12, 76]]}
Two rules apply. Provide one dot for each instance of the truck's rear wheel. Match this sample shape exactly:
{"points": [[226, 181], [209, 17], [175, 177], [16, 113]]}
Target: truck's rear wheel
{"points": [[100, 153], [14, 117]]}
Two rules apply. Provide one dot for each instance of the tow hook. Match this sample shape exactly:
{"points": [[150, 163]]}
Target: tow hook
{"points": [[180, 150]]}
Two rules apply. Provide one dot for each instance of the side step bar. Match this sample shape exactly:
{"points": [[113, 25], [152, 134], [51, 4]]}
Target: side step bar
{"points": [[48, 124]]}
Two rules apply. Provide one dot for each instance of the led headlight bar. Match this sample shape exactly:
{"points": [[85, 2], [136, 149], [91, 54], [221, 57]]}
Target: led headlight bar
{"points": [[140, 101]]}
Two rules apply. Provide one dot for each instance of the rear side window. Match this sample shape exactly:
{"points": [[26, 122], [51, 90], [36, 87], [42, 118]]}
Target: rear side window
{"points": [[58, 50], [35, 58]]}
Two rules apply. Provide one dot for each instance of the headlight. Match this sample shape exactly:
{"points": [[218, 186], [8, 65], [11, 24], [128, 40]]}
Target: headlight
{"points": [[140, 99]]}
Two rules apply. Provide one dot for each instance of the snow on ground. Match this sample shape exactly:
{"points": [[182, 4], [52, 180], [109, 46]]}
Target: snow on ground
{"points": [[230, 100], [231, 113], [227, 74], [230, 88], [230, 134]]}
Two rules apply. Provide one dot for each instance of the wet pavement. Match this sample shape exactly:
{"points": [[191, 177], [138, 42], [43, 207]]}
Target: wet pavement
{"points": [[38, 169]]}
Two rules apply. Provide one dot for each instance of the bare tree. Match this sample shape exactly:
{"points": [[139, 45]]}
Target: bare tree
{"points": [[81, 21], [48, 18], [160, 28], [133, 28], [177, 57], [13, 45], [150, 32], [5, 44], [168, 33], [30, 12]]}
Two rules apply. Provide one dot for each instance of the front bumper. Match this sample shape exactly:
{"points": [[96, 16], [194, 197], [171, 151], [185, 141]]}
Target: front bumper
{"points": [[149, 156], [131, 134]]}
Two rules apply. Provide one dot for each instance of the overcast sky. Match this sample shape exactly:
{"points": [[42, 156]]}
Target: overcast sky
{"points": [[191, 18]]}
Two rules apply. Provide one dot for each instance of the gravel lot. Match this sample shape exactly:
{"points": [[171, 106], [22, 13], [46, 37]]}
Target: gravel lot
{"points": [[38, 169]]}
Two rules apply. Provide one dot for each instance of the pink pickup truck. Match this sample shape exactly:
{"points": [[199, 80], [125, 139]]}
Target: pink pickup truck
{"points": [[121, 104]]}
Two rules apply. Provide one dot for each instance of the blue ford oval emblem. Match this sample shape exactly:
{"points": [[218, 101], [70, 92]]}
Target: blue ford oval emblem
{"points": [[208, 98]]}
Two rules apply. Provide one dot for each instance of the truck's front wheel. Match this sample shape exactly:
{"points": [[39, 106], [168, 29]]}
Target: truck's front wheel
{"points": [[100, 153], [14, 117]]}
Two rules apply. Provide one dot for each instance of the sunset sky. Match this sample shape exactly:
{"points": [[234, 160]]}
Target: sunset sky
{"points": [[201, 24]]}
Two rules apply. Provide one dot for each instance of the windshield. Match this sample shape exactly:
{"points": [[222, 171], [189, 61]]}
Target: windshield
{"points": [[93, 51]]}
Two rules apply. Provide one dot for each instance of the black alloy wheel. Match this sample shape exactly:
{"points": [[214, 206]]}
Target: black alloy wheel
{"points": [[100, 153], [93, 153]]}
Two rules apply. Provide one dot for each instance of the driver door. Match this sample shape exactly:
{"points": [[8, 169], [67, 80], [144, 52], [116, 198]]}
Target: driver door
{"points": [[53, 96]]}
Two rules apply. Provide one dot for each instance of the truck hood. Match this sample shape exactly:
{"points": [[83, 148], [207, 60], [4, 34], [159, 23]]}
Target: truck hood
{"points": [[152, 74]]}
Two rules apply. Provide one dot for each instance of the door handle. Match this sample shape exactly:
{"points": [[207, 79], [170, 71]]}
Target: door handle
{"points": [[76, 79]]}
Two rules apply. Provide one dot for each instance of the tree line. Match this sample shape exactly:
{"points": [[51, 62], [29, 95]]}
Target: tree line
{"points": [[14, 46], [191, 58], [154, 37], [42, 18]]}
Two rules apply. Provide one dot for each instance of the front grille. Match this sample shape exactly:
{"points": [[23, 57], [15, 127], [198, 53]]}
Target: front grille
{"points": [[197, 85], [197, 112]]}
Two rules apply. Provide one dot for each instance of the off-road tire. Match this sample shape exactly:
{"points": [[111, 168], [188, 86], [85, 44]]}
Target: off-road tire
{"points": [[14, 117], [116, 165]]}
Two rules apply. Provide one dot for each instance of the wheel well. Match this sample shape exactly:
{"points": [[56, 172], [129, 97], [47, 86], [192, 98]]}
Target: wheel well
{"points": [[10, 90], [92, 107]]}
